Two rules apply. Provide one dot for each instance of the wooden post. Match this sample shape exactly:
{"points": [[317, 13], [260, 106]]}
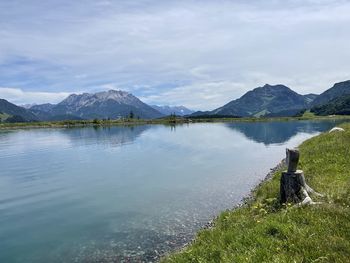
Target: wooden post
{"points": [[292, 160], [293, 187]]}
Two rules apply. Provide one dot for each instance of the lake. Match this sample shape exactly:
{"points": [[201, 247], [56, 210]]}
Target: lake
{"points": [[129, 194]]}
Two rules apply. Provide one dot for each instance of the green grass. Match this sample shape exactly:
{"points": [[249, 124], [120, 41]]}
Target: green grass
{"points": [[308, 114], [264, 231]]}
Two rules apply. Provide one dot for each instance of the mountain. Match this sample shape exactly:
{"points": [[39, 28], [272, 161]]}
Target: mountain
{"points": [[43, 113], [102, 105], [42, 107], [262, 101], [168, 110], [309, 98], [27, 106], [338, 89], [337, 106], [12, 113]]}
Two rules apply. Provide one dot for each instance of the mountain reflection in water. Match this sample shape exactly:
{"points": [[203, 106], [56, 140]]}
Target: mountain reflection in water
{"points": [[277, 132]]}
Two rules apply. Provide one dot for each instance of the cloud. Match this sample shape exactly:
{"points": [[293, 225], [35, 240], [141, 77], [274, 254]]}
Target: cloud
{"points": [[174, 52], [200, 96], [19, 96]]}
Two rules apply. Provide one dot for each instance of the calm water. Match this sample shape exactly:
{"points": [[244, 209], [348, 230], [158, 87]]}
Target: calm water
{"points": [[112, 194]]}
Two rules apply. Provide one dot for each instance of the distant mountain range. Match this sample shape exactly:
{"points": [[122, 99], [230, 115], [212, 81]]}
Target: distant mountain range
{"points": [[102, 105], [275, 101], [11, 113], [177, 110], [268, 100], [264, 100], [111, 104]]}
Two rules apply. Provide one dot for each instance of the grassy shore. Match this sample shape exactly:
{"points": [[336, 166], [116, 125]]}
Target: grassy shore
{"points": [[165, 121], [264, 231]]}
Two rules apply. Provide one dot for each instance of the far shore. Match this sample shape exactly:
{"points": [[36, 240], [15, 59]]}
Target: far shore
{"points": [[164, 121]]}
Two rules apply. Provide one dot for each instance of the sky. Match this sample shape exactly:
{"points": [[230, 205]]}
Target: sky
{"points": [[200, 54]]}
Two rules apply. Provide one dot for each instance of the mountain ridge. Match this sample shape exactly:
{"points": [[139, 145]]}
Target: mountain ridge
{"points": [[262, 101], [102, 105], [14, 113], [268, 100], [338, 89]]}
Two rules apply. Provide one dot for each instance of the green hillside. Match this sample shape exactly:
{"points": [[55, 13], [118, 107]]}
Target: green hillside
{"points": [[338, 90], [14, 113], [263, 101], [338, 106]]}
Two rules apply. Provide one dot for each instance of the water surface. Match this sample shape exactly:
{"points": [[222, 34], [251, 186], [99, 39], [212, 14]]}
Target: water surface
{"points": [[128, 193]]}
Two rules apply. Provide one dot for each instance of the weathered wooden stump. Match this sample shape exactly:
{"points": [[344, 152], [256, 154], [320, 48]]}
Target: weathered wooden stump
{"points": [[293, 188]]}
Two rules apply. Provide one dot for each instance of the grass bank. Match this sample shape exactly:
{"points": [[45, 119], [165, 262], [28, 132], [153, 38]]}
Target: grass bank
{"points": [[264, 231]]}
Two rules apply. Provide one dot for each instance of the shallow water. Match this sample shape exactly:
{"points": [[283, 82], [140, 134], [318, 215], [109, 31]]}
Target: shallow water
{"points": [[128, 193]]}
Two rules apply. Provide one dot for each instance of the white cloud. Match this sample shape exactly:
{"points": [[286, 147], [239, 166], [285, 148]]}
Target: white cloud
{"points": [[200, 96], [174, 52], [19, 96]]}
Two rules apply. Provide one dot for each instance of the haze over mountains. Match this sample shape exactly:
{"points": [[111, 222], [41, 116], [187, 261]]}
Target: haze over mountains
{"points": [[177, 110], [267, 101]]}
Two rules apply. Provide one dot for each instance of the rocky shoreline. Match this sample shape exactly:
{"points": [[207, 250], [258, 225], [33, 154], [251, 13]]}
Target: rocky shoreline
{"points": [[245, 200]]}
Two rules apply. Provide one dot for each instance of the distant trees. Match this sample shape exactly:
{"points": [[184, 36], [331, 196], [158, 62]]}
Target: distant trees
{"points": [[338, 106], [300, 113], [96, 121], [131, 115], [172, 117], [15, 118]]}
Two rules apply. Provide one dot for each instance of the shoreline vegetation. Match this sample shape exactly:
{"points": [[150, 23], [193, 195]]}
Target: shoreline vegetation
{"points": [[171, 120], [261, 230]]}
